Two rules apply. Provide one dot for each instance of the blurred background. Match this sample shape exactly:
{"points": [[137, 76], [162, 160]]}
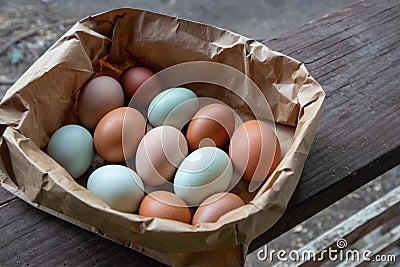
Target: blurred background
{"points": [[29, 27]]}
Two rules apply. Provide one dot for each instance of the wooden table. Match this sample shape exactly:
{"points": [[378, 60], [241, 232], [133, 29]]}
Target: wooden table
{"points": [[355, 55]]}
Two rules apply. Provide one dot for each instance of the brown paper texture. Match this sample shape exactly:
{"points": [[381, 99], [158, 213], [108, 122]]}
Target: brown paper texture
{"points": [[44, 99]]}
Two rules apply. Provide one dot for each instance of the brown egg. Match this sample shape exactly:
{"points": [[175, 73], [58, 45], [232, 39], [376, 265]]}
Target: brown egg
{"points": [[98, 97], [118, 134], [159, 154], [165, 205], [211, 126], [133, 78], [255, 150], [213, 207]]}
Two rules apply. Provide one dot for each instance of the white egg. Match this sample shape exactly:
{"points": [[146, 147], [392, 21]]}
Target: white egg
{"points": [[204, 172], [118, 186]]}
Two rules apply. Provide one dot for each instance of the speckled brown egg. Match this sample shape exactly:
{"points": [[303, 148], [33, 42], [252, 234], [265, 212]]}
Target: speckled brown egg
{"points": [[118, 133], [98, 97], [165, 205], [255, 150], [211, 126], [213, 207]]}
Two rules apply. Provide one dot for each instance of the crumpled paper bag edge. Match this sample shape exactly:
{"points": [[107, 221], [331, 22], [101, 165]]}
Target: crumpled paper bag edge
{"points": [[256, 202]]}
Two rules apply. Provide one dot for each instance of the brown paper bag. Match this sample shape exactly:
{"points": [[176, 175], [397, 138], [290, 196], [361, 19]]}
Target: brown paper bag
{"points": [[44, 99]]}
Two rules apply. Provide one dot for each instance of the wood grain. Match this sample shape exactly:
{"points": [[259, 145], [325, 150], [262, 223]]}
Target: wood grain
{"points": [[5, 196], [31, 236], [352, 229], [355, 56]]}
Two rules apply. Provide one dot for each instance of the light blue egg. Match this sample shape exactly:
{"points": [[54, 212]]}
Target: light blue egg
{"points": [[173, 107], [206, 171], [118, 186], [72, 147]]}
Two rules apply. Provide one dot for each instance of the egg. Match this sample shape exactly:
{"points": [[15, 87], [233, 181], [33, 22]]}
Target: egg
{"points": [[98, 97], [211, 126], [133, 78], [118, 186], [173, 107], [255, 150], [206, 171], [72, 147], [118, 133], [213, 207], [165, 205], [159, 154]]}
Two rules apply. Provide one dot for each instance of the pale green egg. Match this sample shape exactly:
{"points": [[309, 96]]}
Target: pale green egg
{"points": [[204, 172], [72, 147], [118, 186], [173, 107]]}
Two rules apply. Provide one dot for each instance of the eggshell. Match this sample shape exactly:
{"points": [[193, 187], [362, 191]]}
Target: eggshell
{"points": [[118, 186], [173, 107], [159, 154], [255, 150], [211, 126], [99, 96], [206, 171], [72, 147], [133, 78], [118, 134], [165, 205], [213, 207]]}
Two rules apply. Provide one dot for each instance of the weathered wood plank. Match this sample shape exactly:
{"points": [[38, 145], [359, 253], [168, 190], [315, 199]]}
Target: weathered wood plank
{"points": [[30, 236], [17, 220], [391, 238], [5, 196], [329, 27], [356, 59], [352, 229]]}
